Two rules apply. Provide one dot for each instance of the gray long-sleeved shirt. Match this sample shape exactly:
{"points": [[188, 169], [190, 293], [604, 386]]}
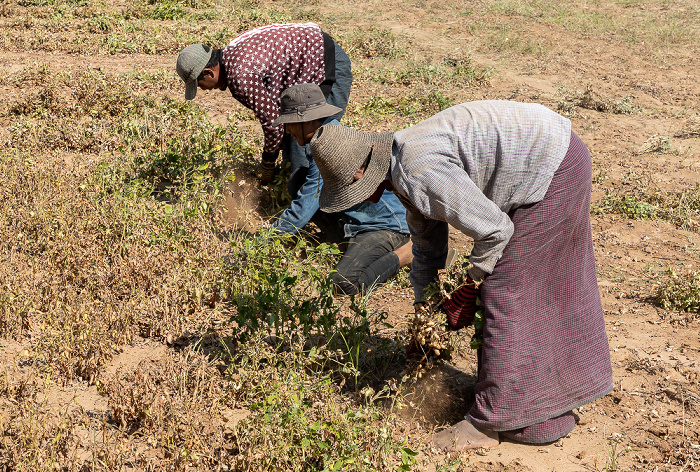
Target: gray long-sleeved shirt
{"points": [[468, 166]]}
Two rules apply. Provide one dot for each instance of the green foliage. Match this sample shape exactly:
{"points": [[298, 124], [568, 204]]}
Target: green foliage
{"points": [[99, 24], [277, 189], [274, 288], [166, 10], [249, 14], [299, 417], [478, 337], [629, 206], [679, 208], [280, 285], [417, 105], [680, 292], [34, 3]]}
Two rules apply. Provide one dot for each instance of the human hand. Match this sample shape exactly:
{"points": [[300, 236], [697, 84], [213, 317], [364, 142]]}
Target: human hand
{"points": [[266, 169]]}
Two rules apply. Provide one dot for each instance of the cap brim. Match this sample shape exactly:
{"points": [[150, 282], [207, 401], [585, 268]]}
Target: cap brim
{"points": [[323, 111], [191, 90]]}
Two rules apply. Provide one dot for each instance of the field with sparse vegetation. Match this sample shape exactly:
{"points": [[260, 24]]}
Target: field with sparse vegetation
{"points": [[148, 321]]}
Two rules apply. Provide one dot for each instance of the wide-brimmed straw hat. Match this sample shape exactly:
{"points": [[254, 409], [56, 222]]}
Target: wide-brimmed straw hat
{"points": [[339, 152], [303, 102]]}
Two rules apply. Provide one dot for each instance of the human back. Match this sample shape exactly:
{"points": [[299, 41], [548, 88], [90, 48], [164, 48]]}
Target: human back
{"points": [[510, 150]]}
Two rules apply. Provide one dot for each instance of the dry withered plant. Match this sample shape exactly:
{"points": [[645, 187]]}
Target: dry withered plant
{"points": [[92, 254], [428, 326], [175, 405], [121, 241]]}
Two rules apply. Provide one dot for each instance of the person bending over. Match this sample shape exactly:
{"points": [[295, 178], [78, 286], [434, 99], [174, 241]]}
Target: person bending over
{"points": [[515, 178], [257, 66], [375, 236]]}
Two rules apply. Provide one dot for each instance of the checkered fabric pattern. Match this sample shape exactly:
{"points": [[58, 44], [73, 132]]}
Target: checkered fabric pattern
{"points": [[262, 63], [545, 349], [469, 166], [545, 432]]}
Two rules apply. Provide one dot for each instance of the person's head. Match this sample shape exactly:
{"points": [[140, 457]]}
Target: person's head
{"points": [[303, 108], [199, 66], [353, 164]]}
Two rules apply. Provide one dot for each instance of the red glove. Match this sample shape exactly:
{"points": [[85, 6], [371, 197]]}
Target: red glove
{"points": [[461, 307]]}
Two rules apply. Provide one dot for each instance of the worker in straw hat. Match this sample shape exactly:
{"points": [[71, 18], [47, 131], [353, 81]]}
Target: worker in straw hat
{"points": [[515, 178], [375, 238], [257, 66]]}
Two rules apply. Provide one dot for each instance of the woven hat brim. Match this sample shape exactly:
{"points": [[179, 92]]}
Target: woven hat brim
{"points": [[321, 111], [335, 198]]}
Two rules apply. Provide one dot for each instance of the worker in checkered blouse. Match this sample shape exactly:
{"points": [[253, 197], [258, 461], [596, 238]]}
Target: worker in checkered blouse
{"points": [[257, 66], [516, 179]]}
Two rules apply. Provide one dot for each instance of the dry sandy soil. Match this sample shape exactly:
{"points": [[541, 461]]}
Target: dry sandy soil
{"points": [[651, 420]]}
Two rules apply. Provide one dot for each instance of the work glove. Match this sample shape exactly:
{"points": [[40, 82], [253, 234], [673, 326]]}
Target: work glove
{"points": [[267, 167], [461, 306]]}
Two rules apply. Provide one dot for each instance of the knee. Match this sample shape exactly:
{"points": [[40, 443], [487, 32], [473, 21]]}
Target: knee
{"points": [[344, 286], [365, 282]]}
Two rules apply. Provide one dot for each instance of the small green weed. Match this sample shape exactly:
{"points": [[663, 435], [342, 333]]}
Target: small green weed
{"points": [[299, 415], [679, 208], [457, 72], [277, 189], [280, 285], [416, 106], [629, 206]]}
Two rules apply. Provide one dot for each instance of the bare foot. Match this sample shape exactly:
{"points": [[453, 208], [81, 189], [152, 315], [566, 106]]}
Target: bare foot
{"points": [[405, 253], [464, 435]]}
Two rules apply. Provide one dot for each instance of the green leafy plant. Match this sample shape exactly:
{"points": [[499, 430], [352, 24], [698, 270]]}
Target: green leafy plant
{"points": [[299, 416], [272, 287], [280, 285], [679, 208]]}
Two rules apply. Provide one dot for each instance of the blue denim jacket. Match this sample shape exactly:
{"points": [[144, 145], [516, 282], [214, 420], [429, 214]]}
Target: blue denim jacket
{"points": [[388, 213]]}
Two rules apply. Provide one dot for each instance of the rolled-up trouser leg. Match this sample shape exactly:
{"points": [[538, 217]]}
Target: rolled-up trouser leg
{"points": [[368, 260]]}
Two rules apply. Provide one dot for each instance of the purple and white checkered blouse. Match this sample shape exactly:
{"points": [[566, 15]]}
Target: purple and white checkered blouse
{"points": [[468, 166]]}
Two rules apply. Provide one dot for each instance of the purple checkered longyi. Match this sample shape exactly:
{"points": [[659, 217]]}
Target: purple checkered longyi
{"points": [[545, 350]]}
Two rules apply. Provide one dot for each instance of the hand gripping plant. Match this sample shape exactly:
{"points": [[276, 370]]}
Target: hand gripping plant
{"points": [[431, 338]]}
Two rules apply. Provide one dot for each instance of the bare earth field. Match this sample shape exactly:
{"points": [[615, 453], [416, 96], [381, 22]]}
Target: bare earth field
{"points": [[624, 71]]}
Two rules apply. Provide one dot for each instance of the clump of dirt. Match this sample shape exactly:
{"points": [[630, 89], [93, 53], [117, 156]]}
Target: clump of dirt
{"points": [[243, 199]]}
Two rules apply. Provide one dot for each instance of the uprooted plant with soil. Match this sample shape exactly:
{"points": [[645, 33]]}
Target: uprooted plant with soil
{"points": [[142, 327]]}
